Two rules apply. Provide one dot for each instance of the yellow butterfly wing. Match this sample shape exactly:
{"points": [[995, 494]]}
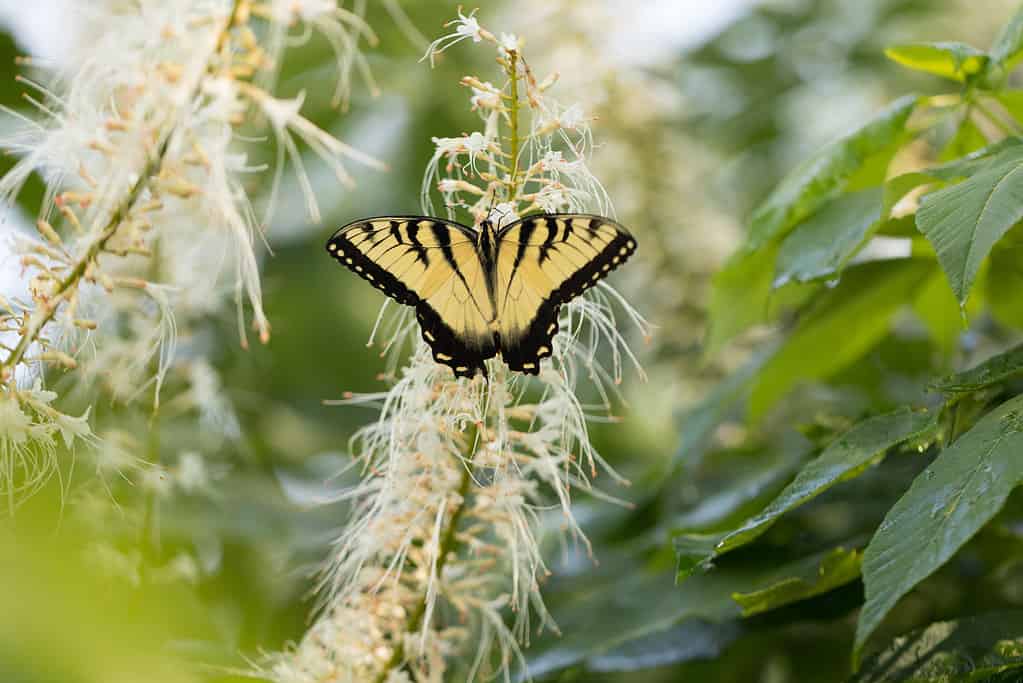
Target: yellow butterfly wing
{"points": [[433, 265], [545, 261]]}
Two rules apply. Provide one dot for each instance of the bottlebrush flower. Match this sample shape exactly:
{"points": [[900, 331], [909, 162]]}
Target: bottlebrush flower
{"points": [[441, 559], [147, 227]]}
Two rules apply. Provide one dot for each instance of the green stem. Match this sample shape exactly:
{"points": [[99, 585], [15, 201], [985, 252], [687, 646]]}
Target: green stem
{"points": [[513, 117], [447, 548], [36, 323]]}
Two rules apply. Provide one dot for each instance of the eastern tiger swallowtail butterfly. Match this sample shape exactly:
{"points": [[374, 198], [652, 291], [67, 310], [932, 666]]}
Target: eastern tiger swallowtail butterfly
{"points": [[480, 292]]}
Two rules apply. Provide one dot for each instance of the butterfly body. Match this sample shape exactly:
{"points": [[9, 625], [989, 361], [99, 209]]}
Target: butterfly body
{"points": [[481, 292]]}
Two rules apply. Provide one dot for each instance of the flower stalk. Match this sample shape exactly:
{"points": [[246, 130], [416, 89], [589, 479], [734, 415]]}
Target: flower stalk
{"points": [[448, 546], [44, 314], [147, 227], [512, 69], [438, 569]]}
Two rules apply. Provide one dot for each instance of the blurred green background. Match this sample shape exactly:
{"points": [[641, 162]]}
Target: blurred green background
{"points": [[701, 108]]}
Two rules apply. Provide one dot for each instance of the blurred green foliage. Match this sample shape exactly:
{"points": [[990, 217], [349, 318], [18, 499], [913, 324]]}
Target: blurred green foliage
{"points": [[791, 462]]}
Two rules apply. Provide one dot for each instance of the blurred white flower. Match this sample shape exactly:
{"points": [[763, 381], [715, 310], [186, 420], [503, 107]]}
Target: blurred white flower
{"points": [[14, 423], [147, 226]]}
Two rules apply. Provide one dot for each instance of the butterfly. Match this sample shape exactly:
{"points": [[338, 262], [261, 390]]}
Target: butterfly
{"points": [[480, 292]]}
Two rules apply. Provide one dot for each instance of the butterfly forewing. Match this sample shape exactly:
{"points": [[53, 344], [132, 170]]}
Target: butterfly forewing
{"points": [[434, 266], [545, 261], [472, 305]]}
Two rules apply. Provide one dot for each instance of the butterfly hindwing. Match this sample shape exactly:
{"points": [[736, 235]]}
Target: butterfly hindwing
{"points": [[433, 265], [543, 262]]}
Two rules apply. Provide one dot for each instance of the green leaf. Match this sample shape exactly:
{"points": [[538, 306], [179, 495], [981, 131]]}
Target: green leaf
{"points": [[821, 245], [956, 61], [970, 649], [838, 568], [1008, 46], [967, 139], [900, 186], [948, 503], [739, 297], [994, 370], [964, 221], [896, 189], [620, 618], [690, 640], [846, 457], [623, 604], [829, 172], [1004, 282], [846, 322], [723, 507]]}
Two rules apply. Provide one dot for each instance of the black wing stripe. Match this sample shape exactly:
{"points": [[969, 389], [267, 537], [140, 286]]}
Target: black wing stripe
{"points": [[399, 253], [525, 232], [413, 234], [590, 248], [444, 239], [552, 234]]}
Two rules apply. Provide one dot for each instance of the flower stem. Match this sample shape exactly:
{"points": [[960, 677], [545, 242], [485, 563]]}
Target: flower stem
{"points": [[45, 313], [513, 117], [447, 547]]}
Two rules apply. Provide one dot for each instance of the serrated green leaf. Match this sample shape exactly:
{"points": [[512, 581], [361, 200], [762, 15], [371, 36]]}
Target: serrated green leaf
{"points": [[826, 174], [740, 294], [898, 187], [746, 492], [821, 245], [695, 551], [1004, 280], [948, 503], [1008, 46], [994, 370], [970, 649], [612, 611], [838, 568], [956, 61], [846, 322], [964, 221], [845, 458]]}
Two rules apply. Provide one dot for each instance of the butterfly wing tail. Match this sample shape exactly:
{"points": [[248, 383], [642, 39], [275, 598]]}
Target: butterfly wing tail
{"points": [[465, 360], [524, 352]]}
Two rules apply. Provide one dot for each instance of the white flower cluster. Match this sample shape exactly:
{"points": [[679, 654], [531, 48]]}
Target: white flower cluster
{"points": [[438, 572], [147, 225], [550, 166]]}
